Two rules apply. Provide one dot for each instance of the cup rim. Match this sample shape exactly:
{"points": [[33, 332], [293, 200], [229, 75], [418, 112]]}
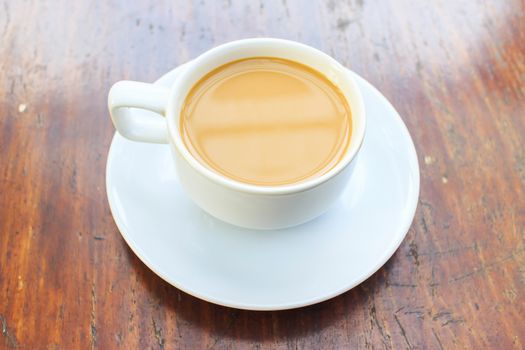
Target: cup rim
{"points": [[173, 115]]}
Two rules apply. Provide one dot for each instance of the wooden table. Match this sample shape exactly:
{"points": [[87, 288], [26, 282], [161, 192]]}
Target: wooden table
{"points": [[455, 70]]}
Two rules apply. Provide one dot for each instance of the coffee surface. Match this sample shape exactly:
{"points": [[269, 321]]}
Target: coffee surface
{"points": [[266, 121]]}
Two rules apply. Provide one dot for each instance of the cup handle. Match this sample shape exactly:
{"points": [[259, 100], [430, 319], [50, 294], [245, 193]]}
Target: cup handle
{"points": [[124, 95]]}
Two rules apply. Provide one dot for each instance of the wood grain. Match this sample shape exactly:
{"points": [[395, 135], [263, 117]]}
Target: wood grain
{"points": [[455, 70]]}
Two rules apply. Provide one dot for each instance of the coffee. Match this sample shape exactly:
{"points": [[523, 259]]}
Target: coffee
{"points": [[266, 121]]}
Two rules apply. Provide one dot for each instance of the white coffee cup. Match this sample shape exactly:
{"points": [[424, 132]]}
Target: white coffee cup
{"points": [[246, 205]]}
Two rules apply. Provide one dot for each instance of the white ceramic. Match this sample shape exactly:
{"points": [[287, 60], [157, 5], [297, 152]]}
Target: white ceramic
{"points": [[260, 207], [268, 270]]}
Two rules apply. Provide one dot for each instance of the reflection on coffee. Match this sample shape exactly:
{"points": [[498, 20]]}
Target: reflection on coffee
{"points": [[266, 121]]}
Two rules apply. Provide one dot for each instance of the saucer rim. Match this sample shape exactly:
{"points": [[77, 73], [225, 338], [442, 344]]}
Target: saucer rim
{"points": [[400, 233]]}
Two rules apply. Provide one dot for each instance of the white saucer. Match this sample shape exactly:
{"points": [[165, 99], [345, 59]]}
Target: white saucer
{"points": [[268, 270]]}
